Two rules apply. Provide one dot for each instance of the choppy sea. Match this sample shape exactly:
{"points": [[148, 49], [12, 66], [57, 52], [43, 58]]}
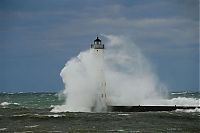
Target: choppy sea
{"points": [[31, 112]]}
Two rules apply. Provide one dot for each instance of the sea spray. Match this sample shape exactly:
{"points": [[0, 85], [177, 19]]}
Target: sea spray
{"points": [[128, 75], [78, 76]]}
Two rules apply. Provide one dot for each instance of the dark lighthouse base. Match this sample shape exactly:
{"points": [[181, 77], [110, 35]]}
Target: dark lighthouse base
{"points": [[147, 108]]}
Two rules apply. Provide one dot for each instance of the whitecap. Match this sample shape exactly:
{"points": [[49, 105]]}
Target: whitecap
{"points": [[20, 115], [7, 103], [123, 114], [65, 108], [188, 110], [179, 101], [183, 101], [15, 103], [55, 115], [120, 130], [179, 93], [52, 106], [32, 126], [3, 129], [4, 103]]}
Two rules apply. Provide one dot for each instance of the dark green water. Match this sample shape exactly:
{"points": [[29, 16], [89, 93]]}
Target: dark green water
{"points": [[30, 112]]}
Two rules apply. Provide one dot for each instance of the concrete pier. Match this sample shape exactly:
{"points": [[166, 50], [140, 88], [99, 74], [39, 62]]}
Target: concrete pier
{"points": [[147, 108]]}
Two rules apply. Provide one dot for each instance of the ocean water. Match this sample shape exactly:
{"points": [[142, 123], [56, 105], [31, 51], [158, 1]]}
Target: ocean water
{"points": [[31, 112]]}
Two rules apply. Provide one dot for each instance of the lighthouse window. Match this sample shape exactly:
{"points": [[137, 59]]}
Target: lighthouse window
{"points": [[97, 50]]}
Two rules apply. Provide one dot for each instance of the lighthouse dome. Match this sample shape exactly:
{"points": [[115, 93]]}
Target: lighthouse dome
{"points": [[97, 44], [97, 40]]}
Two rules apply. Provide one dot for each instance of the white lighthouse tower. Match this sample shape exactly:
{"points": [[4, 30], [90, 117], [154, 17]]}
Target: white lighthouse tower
{"points": [[97, 49]]}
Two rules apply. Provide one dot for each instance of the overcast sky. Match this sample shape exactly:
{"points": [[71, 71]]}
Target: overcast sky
{"points": [[37, 37]]}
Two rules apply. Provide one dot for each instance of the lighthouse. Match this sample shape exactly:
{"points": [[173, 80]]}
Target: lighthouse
{"points": [[97, 44], [97, 50]]}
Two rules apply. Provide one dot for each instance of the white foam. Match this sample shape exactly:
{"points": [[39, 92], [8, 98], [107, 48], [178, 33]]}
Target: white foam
{"points": [[4, 103], [20, 115], [182, 101], [52, 106], [179, 93], [120, 130], [3, 129], [32, 126], [55, 115], [7, 103], [65, 108], [124, 114], [188, 110]]}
